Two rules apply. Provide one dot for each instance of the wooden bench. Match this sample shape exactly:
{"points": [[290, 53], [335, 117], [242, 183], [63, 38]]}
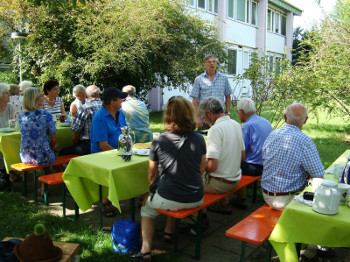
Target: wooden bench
{"points": [[208, 200], [21, 167], [256, 229], [70, 250]]}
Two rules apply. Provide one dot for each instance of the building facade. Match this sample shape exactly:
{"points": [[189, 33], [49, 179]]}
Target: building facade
{"points": [[246, 26]]}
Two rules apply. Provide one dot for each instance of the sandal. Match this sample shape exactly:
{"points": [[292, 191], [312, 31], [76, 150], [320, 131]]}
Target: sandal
{"points": [[167, 237], [107, 209], [141, 256], [219, 208], [40, 193]]}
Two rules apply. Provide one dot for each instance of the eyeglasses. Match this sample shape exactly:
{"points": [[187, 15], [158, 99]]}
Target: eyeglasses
{"points": [[210, 62]]}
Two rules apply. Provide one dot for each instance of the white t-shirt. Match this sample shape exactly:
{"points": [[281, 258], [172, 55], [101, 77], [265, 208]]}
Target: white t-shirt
{"points": [[225, 143]]}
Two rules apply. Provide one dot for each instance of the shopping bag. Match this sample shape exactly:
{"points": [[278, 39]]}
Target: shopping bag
{"points": [[125, 235]]}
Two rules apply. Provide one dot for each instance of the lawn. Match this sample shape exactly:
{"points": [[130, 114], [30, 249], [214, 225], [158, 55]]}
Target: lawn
{"points": [[18, 217]]}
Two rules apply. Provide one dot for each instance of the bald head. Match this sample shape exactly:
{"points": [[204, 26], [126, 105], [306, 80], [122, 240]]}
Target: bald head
{"points": [[131, 90], [296, 114], [92, 92]]}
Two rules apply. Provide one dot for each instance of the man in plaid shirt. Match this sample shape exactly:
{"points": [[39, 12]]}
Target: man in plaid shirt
{"points": [[81, 125], [290, 157]]}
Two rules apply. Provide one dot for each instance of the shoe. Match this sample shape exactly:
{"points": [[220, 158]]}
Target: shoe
{"points": [[219, 208], [141, 256], [325, 252], [107, 210], [205, 226], [167, 237], [240, 203]]}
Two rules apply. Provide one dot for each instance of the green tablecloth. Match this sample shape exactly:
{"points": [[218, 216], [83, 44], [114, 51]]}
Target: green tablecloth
{"points": [[10, 144], [120, 180], [300, 224]]}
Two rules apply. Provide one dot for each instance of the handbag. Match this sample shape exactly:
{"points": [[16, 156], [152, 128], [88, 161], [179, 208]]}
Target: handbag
{"points": [[125, 235], [168, 162], [346, 173]]}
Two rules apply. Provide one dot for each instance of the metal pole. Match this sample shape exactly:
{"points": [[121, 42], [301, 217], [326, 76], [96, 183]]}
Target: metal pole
{"points": [[19, 61]]}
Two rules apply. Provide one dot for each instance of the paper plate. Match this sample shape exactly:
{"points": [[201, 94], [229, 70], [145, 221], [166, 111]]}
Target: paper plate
{"points": [[7, 129], [142, 145], [141, 152]]}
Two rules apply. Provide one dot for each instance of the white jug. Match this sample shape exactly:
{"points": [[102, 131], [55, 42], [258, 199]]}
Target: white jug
{"points": [[326, 199]]}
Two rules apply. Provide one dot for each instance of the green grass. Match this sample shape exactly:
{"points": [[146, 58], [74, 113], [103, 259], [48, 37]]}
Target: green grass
{"points": [[18, 217]]}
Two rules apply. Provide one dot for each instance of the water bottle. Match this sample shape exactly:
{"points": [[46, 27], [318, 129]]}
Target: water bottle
{"points": [[125, 142]]}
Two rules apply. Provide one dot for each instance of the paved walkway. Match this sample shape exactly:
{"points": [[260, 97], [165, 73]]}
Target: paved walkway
{"points": [[215, 246]]}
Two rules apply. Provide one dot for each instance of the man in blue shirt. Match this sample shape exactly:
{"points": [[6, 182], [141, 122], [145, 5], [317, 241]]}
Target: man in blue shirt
{"points": [[107, 121], [255, 131], [211, 83], [290, 158]]}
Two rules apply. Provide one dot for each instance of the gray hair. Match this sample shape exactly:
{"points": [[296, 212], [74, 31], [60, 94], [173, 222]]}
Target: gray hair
{"points": [[211, 104], [3, 88], [131, 90], [93, 91], [24, 84], [77, 89], [207, 57], [247, 105], [296, 114]]}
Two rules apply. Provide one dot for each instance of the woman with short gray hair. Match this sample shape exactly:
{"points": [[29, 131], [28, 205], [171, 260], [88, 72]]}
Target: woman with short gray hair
{"points": [[6, 109], [79, 92]]}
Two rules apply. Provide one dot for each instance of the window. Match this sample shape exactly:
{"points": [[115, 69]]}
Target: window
{"points": [[241, 10], [284, 25], [278, 65], [232, 62], [230, 8], [247, 18], [254, 13], [271, 63], [213, 6], [277, 23], [269, 20], [201, 4]]}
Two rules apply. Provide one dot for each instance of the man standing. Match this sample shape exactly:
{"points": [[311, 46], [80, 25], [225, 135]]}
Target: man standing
{"points": [[290, 158], [81, 124], [225, 150], [211, 83], [137, 115], [107, 121], [255, 131]]}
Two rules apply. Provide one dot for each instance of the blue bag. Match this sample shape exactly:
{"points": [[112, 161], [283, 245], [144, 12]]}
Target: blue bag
{"points": [[125, 235], [345, 178]]}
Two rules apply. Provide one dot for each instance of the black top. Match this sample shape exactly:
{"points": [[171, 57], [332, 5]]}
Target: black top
{"points": [[182, 181]]}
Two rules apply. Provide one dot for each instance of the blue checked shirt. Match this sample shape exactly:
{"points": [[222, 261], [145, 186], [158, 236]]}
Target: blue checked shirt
{"points": [[83, 119], [203, 87], [289, 158]]}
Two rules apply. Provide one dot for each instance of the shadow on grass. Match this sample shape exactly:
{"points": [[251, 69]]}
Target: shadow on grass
{"points": [[18, 218]]}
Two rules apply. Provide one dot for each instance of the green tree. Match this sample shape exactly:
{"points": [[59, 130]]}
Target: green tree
{"points": [[143, 43]]}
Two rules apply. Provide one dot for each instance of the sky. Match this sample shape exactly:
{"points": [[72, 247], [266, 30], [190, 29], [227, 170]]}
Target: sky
{"points": [[313, 13]]}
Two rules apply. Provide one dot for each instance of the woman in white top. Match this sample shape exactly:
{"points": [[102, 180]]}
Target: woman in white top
{"points": [[53, 103], [16, 100], [6, 109], [80, 99]]}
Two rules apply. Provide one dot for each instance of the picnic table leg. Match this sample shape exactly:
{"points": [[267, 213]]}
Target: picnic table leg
{"points": [[64, 199], [24, 183], [46, 194], [255, 185], [76, 215], [198, 235], [101, 206], [132, 208], [176, 234], [242, 251], [268, 251]]}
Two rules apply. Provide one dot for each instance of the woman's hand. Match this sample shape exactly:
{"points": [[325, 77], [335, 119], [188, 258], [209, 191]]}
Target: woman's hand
{"points": [[56, 148]]}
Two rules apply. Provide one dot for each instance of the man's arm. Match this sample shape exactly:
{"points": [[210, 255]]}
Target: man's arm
{"points": [[104, 146], [228, 104], [203, 164], [243, 155], [212, 164], [152, 171], [195, 105]]}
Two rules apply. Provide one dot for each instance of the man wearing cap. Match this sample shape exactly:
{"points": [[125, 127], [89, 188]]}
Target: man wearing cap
{"points": [[106, 123], [105, 129], [81, 124], [289, 159]]}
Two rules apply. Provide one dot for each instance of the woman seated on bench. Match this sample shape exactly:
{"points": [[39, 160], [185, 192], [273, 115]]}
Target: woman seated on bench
{"points": [[181, 154]]}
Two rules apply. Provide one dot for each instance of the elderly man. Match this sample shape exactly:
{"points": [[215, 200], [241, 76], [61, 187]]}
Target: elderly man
{"points": [[211, 83], [225, 150], [137, 115], [255, 131], [81, 124], [290, 158]]}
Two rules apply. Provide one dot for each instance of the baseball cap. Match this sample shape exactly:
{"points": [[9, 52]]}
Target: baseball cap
{"points": [[110, 93]]}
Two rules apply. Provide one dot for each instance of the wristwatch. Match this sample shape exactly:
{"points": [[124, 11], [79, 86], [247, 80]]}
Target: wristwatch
{"points": [[227, 113]]}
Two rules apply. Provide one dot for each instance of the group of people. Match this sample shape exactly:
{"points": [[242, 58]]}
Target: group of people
{"points": [[188, 167]]}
